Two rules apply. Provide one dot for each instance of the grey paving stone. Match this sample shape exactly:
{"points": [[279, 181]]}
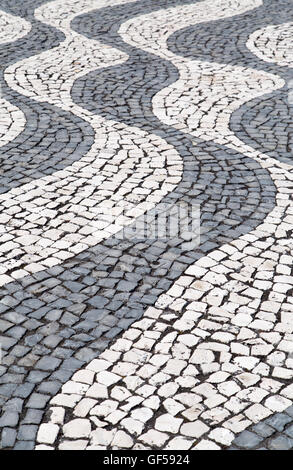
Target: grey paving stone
{"points": [[7, 343], [289, 411], [221, 178], [32, 323], [36, 376], [280, 443], [74, 286], [289, 431], [71, 364], [5, 325], [23, 390], [17, 369], [14, 317], [113, 332], [52, 341], [66, 332], [247, 440], [65, 353], [17, 332], [40, 350], [279, 421], [95, 314], [8, 437], [20, 351], [49, 329], [68, 319], [14, 404], [9, 419], [33, 339], [7, 389], [263, 429], [54, 315], [85, 354], [27, 432], [32, 417], [49, 387], [37, 400], [48, 363], [126, 286], [61, 375], [98, 301], [24, 445], [11, 378]]}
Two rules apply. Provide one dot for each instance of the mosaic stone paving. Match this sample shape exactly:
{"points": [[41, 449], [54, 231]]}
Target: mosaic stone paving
{"points": [[110, 342]]}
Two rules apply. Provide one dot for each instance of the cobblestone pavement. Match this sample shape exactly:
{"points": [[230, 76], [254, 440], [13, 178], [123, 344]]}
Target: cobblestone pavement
{"points": [[119, 106]]}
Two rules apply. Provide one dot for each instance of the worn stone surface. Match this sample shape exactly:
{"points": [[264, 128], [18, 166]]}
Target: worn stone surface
{"points": [[127, 107]]}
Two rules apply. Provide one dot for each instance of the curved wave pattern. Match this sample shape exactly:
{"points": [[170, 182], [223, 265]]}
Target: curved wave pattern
{"points": [[254, 124], [51, 139], [228, 295], [56, 320], [86, 322], [141, 92], [205, 114], [99, 180], [273, 44], [266, 119]]}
